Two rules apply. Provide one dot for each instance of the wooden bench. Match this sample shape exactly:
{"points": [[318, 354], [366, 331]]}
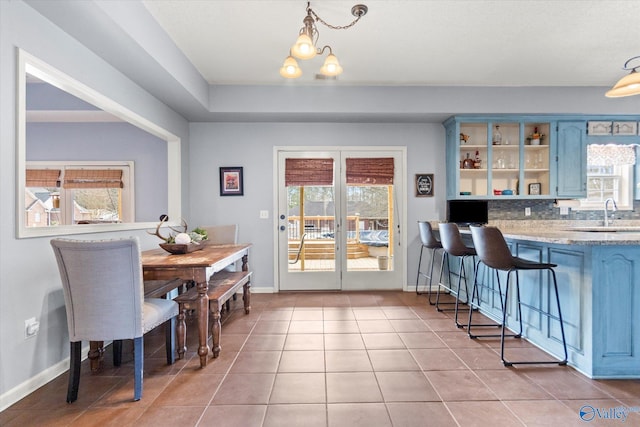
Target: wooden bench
{"points": [[222, 286]]}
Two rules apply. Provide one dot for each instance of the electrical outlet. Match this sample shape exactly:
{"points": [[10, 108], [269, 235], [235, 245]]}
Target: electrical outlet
{"points": [[564, 210], [31, 327], [264, 214], [527, 211]]}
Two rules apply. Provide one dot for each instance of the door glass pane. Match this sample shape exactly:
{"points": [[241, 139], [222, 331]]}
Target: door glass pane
{"points": [[369, 217], [311, 228]]}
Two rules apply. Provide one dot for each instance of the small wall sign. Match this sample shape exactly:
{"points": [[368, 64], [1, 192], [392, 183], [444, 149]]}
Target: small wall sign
{"points": [[424, 185], [535, 189]]}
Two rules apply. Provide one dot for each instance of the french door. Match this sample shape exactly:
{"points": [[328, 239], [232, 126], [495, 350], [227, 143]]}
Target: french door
{"points": [[340, 212]]}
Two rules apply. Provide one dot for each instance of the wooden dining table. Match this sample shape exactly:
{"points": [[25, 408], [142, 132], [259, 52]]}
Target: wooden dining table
{"points": [[195, 267], [160, 268]]}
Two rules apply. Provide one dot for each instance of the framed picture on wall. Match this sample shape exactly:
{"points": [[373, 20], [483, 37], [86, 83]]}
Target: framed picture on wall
{"points": [[231, 181], [424, 185]]}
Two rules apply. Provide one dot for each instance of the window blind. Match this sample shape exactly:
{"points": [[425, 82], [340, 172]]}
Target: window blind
{"points": [[43, 177], [93, 178], [306, 172], [377, 171]]}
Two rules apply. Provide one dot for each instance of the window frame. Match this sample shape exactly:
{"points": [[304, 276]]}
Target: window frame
{"points": [[625, 174], [67, 194]]}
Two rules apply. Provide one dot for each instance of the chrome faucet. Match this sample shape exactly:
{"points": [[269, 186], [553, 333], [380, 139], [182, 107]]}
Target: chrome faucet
{"points": [[606, 210]]}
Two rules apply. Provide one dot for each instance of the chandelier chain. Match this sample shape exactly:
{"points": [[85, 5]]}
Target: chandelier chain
{"points": [[334, 27]]}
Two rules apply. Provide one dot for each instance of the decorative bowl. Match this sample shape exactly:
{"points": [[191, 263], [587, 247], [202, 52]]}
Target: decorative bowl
{"points": [[179, 249], [497, 192]]}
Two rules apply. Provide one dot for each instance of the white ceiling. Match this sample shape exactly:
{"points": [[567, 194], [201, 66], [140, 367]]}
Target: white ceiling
{"points": [[412, 42]]}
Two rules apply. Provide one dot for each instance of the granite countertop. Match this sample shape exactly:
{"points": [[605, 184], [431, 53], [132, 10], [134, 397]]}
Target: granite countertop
{"points": [[569, 232]]}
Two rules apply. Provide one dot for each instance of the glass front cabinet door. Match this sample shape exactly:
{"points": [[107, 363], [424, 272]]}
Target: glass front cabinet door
{"points": [[498, 158]]}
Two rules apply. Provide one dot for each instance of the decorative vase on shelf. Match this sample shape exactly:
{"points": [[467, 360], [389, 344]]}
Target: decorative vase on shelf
{"points": [[497, 136], [467, 163]]}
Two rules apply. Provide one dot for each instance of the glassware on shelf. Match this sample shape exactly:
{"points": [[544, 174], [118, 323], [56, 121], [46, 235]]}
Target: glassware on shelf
{"points": [[497, 136], [467, 163], [477, 162]]}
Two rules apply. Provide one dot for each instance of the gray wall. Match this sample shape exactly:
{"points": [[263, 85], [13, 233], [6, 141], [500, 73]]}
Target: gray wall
{"points": [[251, 145]]}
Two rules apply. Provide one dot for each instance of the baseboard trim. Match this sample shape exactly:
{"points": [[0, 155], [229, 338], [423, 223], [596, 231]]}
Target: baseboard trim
{"points": [[32, 384]]}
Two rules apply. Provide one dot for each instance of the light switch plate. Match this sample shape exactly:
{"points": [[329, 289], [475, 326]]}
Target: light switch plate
{"points": [[264, 214]]}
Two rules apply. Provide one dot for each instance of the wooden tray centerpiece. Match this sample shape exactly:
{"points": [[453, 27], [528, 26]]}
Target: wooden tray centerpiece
{"points": [[183, 242], [179, 249]]}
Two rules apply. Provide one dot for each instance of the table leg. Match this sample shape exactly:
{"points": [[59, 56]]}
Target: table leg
{"points": [[245, 264], [181, 331], [216, 330], [96, 355], [246, 297], [203, 327]]}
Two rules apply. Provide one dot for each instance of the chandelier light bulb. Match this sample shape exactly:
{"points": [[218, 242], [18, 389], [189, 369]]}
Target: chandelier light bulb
{"points": [[290, 69], [304, 48], [331, 66]]}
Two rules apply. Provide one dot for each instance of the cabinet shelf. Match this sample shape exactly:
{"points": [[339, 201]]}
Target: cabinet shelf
{"points": [[510, 165]]}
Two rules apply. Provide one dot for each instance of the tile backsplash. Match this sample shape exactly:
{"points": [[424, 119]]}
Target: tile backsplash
{"points": [[544, 210]]}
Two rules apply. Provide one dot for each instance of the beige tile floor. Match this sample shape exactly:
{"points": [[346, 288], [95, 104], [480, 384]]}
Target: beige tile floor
{"points": [[333, 359]]}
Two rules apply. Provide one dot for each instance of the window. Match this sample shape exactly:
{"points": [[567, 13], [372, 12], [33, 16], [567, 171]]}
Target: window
{"points": [[82, 192], [609, 175]]}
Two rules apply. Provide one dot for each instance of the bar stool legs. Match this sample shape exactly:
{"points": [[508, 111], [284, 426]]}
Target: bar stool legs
{"points": [[428, 276], [548, 314], [473, 306], [429, 241], [454, 292]]}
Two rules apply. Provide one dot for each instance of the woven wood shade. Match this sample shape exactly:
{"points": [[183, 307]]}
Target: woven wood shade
{"points": [[43, 178], [378, 171], [93, 178], [301, 172]]}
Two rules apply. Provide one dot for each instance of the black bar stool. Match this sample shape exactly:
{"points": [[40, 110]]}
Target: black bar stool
{"points": [[454, 246], [494, 252], [430, 242]]}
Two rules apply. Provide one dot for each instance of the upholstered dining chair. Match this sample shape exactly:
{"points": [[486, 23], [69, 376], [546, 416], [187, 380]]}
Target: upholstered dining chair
{"points": [[104, 300], [225, 234], [221, 234]]}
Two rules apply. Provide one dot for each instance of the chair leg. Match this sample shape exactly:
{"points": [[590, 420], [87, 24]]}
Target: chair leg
{"points": [[460, 270], [75, 358], [138, 367], [170, 340], [478, 296], [418, 278], [445, 261], [564, 340], [548, 314], [117, 352], [462, 273]]}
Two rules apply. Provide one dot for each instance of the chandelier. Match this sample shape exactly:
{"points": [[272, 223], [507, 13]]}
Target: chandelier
{"points": [[305, 45], [629, 84]]}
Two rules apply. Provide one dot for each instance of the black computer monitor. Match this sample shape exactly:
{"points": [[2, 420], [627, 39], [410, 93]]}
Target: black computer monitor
{"points": [[467, 212]]}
